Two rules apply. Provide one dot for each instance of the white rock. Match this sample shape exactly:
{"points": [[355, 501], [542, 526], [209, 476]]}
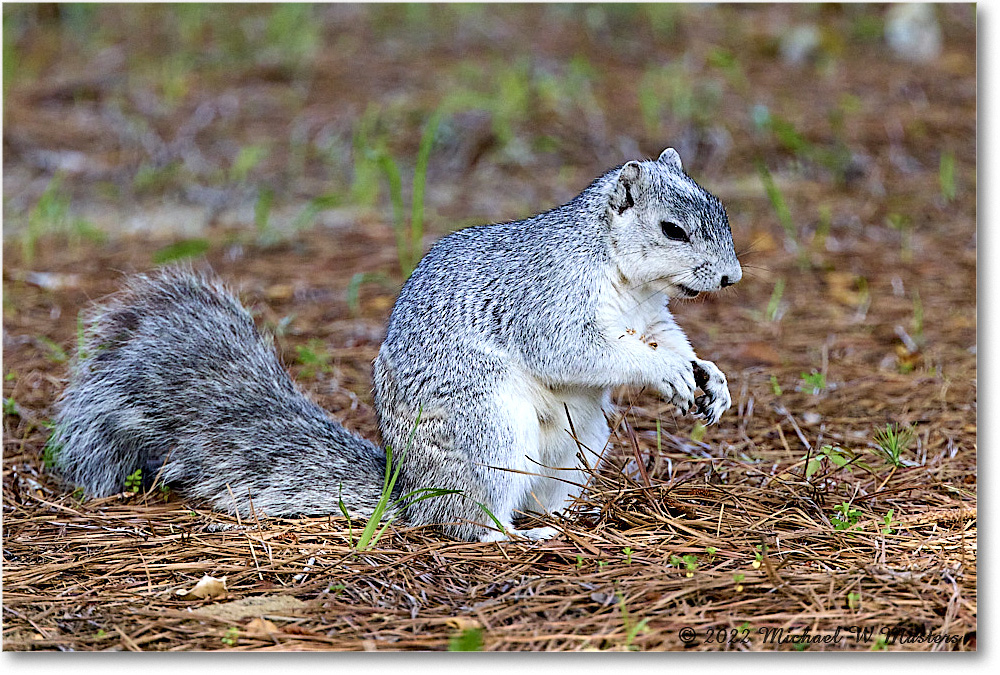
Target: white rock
{"points": [[799, 43], [913, 32]]}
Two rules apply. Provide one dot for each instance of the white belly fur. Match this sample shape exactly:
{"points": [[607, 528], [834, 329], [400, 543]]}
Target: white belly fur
{"points": [[538, 413]]}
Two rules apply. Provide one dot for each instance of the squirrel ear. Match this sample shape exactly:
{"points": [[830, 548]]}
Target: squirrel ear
{"points": [[670, 158], [628, 178]]}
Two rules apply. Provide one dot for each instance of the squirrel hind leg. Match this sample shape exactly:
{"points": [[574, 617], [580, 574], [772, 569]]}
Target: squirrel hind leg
{"points": [[475, 445]]}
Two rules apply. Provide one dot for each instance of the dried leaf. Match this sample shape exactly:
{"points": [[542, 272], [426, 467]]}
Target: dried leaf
{"points": [[208, 587], [462, 623], [261, 625], [842, 287]]}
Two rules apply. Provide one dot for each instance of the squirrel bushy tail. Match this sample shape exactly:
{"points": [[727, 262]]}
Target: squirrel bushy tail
{"points": [[174, 379]]}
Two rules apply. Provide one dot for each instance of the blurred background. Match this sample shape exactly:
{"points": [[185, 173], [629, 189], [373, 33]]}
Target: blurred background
{"points": [[172, 119]]}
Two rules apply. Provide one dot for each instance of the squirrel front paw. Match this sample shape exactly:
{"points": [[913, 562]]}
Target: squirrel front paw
{"points": [[716, 399], [679, 384]]}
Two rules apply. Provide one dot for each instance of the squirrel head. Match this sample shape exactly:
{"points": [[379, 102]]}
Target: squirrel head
{"points": [[669, 231]]}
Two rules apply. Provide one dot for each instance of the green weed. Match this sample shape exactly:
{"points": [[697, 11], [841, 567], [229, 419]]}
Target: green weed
{"points": [[262, 213], [149, 177], [815, 463], [10, 407], [50, 452], [946, 176], [627, 552], [632, 629], [186, 248], [133, 482], [689, 562], [55, 352], [419, 187], [845, 517], [778, 204], [231, 637], [367, 144], [698, 432], [497, 523], [313, 357], [562, 93], [675, 91], [81, 337], [892, 441], [836, 456], [917, 323], [173, 73], [822, 227], [246, 161], [813, 382], [353, 291], [293, 33], [867, 27], [661, 17], [730, 66], [371, 532], [52, 215], [887, 522], [315, 206], [836, 156], [469, 640], [774, 309], [775, 387], [788, 137], [898, 221], [513, 89], [409, 239], [12, 29]]}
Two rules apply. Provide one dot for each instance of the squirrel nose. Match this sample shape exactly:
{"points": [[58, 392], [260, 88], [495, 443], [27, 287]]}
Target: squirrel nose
{"points": [[730, 279]]}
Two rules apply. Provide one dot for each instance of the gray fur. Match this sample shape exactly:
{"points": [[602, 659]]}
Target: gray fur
{"points": [[174, 374], [498, 333]]}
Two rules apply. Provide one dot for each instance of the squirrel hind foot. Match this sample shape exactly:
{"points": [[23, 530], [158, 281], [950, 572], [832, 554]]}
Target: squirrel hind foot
{"points": [[510, 534]]}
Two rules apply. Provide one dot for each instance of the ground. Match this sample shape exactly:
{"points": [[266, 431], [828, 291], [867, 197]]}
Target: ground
{"points": [[133, 137]]}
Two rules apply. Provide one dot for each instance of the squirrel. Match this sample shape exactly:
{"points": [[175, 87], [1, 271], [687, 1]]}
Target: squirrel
{"points": [[491, 386]]}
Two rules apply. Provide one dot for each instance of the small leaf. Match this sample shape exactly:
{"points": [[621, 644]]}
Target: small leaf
{"points": [[261, 625], [208, 587]]}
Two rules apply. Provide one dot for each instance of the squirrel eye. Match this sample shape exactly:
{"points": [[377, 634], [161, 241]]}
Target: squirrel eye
{"points": [[673, 231]]}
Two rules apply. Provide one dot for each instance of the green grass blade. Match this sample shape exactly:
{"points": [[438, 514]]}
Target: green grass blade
{"points": [[777, 202], [496, 521], [419, 185], [391, 172]]}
